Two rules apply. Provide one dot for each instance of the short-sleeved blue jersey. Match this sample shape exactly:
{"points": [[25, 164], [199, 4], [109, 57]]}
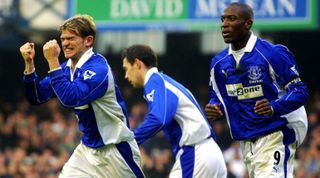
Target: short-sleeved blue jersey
{"points": [[92, 92], [173, 109], [264, 71]]}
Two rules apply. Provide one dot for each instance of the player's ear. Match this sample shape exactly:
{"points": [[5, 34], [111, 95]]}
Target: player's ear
{"points": [[138, 63], [249, 23], [89, 40]]}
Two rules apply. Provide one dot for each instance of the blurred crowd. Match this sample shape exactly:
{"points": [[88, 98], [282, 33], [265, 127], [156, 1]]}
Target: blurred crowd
{"points": [[35, 141]]}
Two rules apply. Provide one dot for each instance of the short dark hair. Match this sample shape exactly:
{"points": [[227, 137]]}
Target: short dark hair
{"points": [[247, 11], [142, 52]]}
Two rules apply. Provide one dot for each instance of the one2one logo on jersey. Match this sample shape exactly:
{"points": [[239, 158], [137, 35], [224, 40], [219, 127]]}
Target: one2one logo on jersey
{"points": [[150, 96], [237, 90], [88, 74]]}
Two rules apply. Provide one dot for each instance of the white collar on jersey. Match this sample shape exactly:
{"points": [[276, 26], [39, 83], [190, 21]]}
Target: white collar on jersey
{"points": [[82, 59], [149, 73], [249, 46]]}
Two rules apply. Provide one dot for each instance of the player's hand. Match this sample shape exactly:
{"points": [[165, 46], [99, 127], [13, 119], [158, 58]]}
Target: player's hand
{"points": [[27, 51], [213, 111], [51, 51], [263, 107]]}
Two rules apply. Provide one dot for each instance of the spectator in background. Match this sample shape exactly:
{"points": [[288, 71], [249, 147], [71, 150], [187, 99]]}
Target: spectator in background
{"points": [[138, 112], [155, 152], [257, 86], [233, 158], [174, 110], [34, 151], [86, 84], [312, 157]]}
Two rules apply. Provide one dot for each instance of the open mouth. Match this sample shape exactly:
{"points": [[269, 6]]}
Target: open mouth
{"points": [[225, 34], [67, 50]]}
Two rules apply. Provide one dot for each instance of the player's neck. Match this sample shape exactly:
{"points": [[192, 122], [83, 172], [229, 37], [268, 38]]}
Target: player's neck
{"points": [[73, 64], [241, 43]]}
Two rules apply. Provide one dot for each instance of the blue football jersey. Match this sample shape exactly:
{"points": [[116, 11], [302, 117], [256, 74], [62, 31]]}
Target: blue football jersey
{"points": [[264, 71], [92, 92], [174, 110]]}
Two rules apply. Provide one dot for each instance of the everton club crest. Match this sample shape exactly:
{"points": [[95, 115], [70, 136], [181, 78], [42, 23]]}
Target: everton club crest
{"points": [[254, 74]]}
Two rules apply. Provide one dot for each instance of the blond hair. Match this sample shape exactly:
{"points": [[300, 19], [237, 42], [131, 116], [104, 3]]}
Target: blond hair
{"points": [[82, 25]]}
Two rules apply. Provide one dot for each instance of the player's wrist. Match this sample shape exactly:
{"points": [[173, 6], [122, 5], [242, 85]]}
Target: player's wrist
{"points": [[53, 64], [29, 69]]}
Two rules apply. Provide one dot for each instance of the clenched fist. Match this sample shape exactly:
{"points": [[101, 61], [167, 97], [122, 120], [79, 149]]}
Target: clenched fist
{"points": [[263, 107], [213, 111], [27, 51], [51, 51]]}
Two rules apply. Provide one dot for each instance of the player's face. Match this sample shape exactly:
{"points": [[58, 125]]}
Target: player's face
{"points": [[133, 73], [73, 45], [233, 25]]}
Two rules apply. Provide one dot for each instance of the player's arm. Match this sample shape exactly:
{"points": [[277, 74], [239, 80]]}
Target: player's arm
{"points": [[91, 84], [28, 52], [51, 51], [36, 91], [150, 126], [213, 109], [287, 76], [263, 107], [162, 106]]}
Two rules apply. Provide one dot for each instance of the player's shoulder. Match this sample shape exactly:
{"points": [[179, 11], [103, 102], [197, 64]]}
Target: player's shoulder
{"points": [[97, 61], [97, 65], [155, 80], [266, 46], [222, 53], [272, 51], [219, 56], [156, 77]]}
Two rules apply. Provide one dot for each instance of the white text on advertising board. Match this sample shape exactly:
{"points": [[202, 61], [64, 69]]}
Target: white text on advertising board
{"points": [[262, 8], [146, 9]]}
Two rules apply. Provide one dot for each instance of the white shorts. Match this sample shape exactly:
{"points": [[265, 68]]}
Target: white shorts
{"points": [[120, 160], [272, 155], [202, 160]]}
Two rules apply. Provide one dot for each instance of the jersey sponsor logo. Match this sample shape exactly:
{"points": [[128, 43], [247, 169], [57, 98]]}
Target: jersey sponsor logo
{"points": [[237, 90], [88, 74], [294, 81], [150, 96]]}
